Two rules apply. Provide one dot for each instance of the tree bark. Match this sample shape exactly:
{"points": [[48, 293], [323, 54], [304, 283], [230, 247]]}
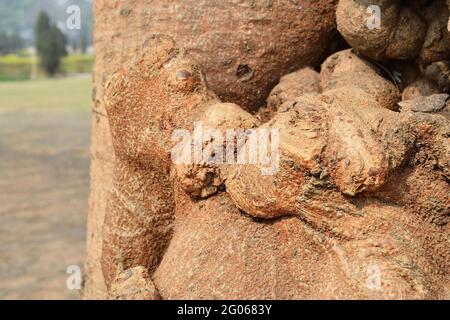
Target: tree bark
{"points": [[266, 39], [117, 40]]}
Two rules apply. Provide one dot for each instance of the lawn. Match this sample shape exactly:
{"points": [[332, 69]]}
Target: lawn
{"points": [[58, 94], [44, 182]]}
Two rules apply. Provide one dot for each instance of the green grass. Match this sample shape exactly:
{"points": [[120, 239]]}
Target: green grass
{"points": [[63, 94]]}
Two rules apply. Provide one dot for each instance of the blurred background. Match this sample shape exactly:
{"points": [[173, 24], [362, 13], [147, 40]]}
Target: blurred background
{"points": [[46, 60]]}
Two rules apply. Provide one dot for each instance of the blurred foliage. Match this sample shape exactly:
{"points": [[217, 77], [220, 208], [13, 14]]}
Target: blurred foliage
{"points": [[77, 63], [14, 67], [10, 43], [22, 67]]}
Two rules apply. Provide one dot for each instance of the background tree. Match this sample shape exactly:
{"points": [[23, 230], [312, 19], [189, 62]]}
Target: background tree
{"points": [[83, 43], [10, 43], [50, 44]]}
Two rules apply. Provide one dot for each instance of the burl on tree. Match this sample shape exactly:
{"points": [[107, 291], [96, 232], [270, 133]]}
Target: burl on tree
{"points": [[358, 207]]}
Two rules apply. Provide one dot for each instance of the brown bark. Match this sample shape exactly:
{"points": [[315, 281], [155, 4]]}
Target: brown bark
{"points": [[244, 47], [354, 185]]}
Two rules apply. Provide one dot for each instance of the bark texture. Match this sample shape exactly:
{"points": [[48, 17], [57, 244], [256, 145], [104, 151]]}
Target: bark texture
{"points": [[244, 47], [359, 207]]}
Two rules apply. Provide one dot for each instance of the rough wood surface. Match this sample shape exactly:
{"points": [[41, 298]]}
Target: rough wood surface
{"points": [[244, 47]]}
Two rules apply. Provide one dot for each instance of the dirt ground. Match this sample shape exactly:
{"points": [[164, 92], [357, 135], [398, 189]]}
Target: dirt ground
{"points": [[44, 188]]}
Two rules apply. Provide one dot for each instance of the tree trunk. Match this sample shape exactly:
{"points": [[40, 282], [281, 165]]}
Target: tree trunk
{"points": [[217, 35], [117, 40], [361, 188]]}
